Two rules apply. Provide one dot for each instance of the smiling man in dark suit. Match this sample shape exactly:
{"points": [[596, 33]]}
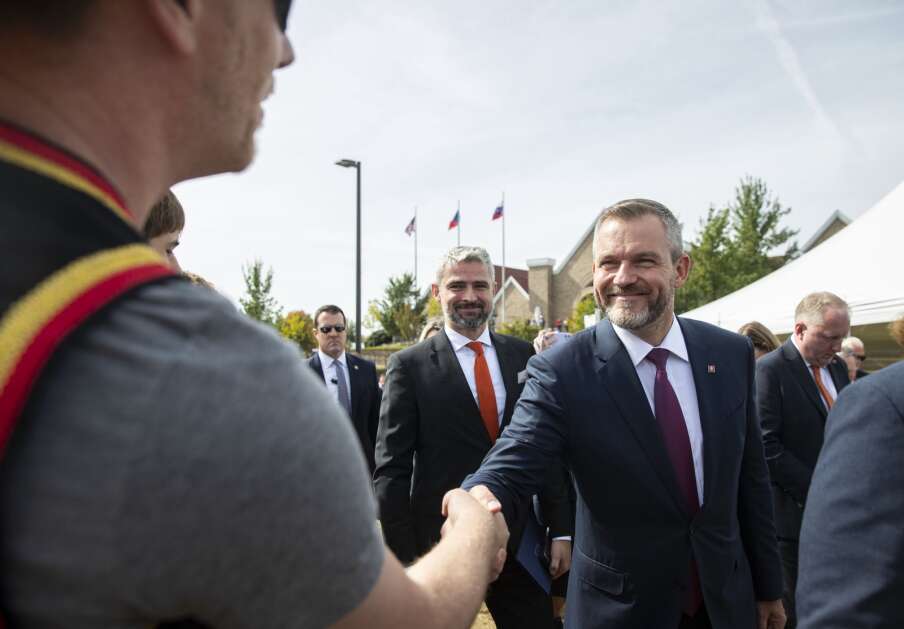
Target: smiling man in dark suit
{"points": [[445, 401], [352, 380], [656, 418], [796, 387]]}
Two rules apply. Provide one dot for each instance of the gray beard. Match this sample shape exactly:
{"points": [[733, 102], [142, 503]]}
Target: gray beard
{"points": [[628, 320]]}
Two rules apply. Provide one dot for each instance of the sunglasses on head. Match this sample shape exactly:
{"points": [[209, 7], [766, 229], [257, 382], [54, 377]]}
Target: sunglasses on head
{"points": [[326, 329]]}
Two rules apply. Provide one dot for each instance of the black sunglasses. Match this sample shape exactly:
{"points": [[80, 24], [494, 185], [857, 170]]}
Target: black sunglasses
{"points": [[860, 357], [326, 329], [282, 12]]}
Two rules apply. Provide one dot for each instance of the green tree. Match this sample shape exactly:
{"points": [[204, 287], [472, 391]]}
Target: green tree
{"points": [[520, 328], [586, 306], [258, 303], [298, 327], [737, 245], [401, 312]]}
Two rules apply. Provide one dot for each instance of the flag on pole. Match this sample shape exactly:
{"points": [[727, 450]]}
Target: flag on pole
{"points": [[497, 213], [412, 226], [455, 220]]}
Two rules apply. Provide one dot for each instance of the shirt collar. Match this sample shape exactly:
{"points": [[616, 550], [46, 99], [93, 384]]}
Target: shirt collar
{"points": [[327, 360], [638, 348], [460, 340]]}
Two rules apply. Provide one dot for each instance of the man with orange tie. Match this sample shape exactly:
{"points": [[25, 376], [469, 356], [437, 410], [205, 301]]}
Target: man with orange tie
{"points": [[796, 387], [445, 401]]}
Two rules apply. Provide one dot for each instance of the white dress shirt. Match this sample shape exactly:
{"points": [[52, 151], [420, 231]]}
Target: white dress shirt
{"points": [[824, 373], [466, 357], [327, 363], [681, 377]]}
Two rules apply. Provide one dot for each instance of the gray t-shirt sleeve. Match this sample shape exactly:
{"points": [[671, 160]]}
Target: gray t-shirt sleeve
{"points": [[249, 504]]}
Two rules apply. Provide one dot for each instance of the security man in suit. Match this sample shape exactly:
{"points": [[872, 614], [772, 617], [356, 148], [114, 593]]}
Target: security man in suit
{"points": [[655, 417], [445, 401], [796, 388], [352, 380]]}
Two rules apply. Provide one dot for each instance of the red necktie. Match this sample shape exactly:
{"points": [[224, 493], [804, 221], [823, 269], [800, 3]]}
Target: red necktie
{"points": [[822, 388], [486, 394], [678, 445]]}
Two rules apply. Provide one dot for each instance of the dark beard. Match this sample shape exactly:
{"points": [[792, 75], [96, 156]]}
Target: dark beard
{"points": [[472, 323]]}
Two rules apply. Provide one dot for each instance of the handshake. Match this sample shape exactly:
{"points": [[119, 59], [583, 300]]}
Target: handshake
{"points": [[474, 524]]}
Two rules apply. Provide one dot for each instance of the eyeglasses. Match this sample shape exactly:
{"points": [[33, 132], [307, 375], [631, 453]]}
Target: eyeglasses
{"points": [[860, 357], [326, 329]]}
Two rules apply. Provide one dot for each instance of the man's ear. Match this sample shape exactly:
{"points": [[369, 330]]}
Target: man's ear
{"points": [[434, 289], [177, 22], [682, 269]]}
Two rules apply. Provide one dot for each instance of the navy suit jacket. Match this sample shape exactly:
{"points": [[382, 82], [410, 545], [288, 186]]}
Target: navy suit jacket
{"points": [[583, 403], [792, 417], [852, 540], [365, 397]]}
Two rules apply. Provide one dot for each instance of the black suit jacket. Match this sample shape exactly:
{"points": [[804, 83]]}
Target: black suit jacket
{"points": [[431, 436], [634, 538], [792, 416], [852, 540], [365, 397]]}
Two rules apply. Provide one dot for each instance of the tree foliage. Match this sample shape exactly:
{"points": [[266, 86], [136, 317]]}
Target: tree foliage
{"points": [[257, 302], [402, 311], [586, 306], [298, 327], [520, 328], [737, 245]]}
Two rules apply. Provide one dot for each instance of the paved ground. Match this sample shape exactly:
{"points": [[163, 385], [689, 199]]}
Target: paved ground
{"points": [[483, 621]]}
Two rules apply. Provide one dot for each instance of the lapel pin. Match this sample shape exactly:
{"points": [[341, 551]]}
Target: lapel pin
{"points": [[356, 367], [710, 369]]}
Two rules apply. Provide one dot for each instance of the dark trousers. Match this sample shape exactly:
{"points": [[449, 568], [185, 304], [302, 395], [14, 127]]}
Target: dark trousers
{"points": [[516, 601], [699, 621], [788, 550]]}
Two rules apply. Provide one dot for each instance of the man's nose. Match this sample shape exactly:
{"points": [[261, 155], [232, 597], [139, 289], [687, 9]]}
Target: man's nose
{"points": [[286, 52], [625, 275]]}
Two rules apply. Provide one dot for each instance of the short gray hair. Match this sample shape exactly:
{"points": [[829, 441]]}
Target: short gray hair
{"points": [[812, 308], [850, 345], [630, 209], [457, 255]]}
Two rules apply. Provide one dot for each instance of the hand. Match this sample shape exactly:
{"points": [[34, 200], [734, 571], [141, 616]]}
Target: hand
{"points": [[485, 497], [466, 513], [543, 340], [559, 557], [770, 615]]}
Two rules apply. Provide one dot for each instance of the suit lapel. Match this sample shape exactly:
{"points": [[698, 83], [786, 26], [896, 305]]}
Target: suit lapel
{"points": [[451, 376], [840, 379], [803, 376], [709, 393], [354, 379], [509, 376], [316, 365], [619, 377]]}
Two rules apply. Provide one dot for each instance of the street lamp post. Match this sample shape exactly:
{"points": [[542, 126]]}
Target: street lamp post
{"points": [[350, 163]]}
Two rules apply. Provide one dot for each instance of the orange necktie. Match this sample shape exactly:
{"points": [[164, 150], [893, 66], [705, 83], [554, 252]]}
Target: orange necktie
{"points": [[822, 389], [486, 394]]}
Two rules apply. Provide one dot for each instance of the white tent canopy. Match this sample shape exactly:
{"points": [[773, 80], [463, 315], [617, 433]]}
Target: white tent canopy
{"points": [[863, 264]]}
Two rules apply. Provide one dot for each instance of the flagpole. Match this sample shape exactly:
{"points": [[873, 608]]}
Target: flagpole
{"points": [[503, 257], [458, 227], [415, 247]]}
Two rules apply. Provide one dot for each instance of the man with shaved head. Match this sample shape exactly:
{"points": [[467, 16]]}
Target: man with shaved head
{"points": [[166, 461]]}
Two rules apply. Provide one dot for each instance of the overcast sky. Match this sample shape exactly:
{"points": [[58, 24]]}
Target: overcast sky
{"points": [[565, 106]]}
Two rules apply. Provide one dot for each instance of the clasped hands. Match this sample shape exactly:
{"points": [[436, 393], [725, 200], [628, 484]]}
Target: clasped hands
{"points": [[478, 509]]}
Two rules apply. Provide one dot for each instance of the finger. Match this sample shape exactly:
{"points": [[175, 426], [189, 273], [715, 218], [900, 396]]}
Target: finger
{"points": [[485, 497], [762, 620], [446, 499]]}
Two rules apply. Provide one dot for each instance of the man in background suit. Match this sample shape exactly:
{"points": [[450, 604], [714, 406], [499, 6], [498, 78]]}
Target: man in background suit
{"points": [[796, 387], [352, 380], [445, 401], [656, 418], [852, 541]]}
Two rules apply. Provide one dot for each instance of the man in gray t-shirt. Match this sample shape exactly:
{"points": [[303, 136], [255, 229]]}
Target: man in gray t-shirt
{"points": [[175, 460]]}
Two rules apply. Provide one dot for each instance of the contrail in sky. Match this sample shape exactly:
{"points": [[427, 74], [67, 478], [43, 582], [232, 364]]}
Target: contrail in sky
{"points": [[790, 62]]}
